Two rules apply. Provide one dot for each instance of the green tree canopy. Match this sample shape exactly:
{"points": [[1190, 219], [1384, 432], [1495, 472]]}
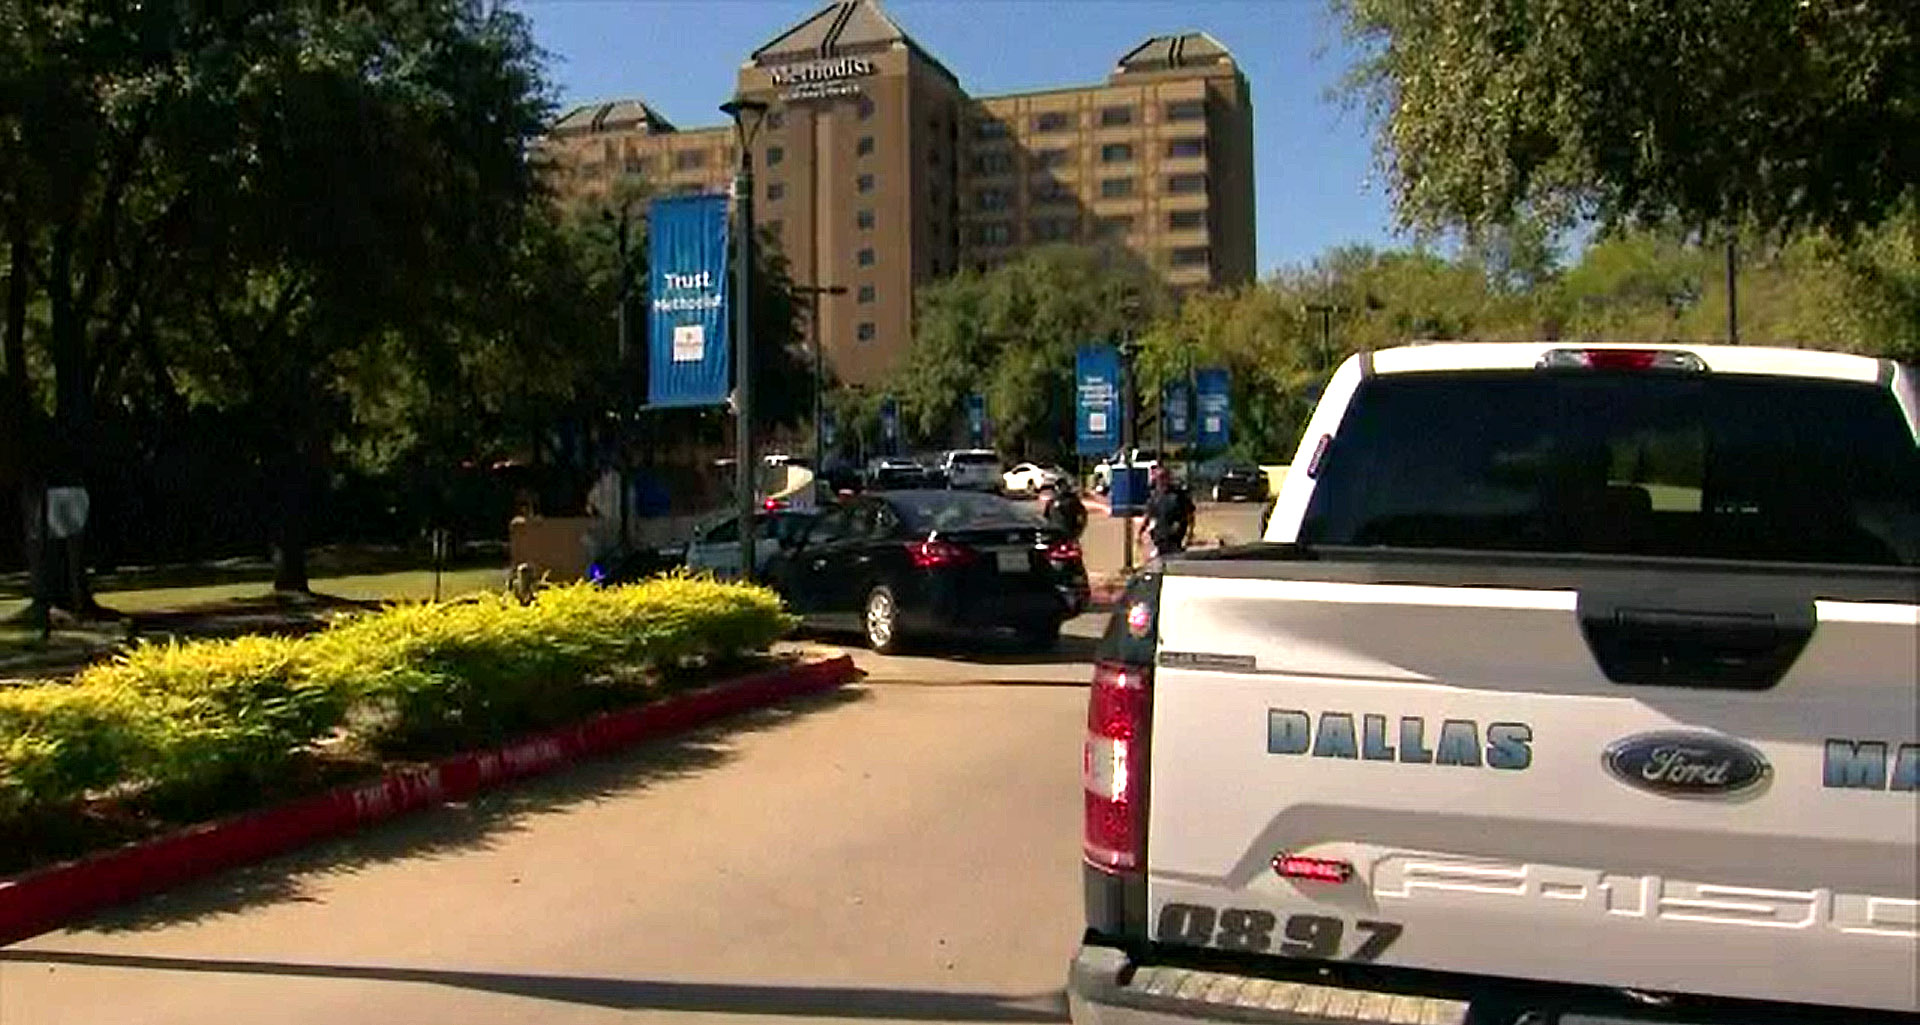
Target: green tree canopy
{"points": [[1778, 113]]}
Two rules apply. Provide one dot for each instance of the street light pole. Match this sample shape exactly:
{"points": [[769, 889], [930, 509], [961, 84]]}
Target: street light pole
{"points": [[1733, 297], [625, 390], [1326, 313], [747, 115], [813, 293]]}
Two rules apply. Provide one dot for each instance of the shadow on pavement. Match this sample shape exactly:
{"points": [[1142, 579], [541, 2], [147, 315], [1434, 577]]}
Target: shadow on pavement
{"points": [[626, 994], [994, 651], [473, 825]]}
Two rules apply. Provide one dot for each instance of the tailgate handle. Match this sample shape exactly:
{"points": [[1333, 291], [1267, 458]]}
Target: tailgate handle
{"points": [[1743, 649]]}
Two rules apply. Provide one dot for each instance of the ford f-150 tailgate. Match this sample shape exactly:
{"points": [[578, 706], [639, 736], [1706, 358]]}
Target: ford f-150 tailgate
{"points": [[1567, 666], [1495, 770]]}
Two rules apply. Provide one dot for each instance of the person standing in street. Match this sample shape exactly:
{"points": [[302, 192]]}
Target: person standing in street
{"points": [[1061, 508], [1170, 511]]}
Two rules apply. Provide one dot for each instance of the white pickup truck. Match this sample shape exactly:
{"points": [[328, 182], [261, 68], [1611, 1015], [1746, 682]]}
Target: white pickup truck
{"points": [[1569, 684]]}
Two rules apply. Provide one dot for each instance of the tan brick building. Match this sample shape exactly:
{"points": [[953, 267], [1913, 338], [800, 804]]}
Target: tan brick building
{"points": [[881, 173]]}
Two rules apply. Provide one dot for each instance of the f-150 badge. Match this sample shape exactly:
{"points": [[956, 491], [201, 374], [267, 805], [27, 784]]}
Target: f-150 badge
{"points": [[1687, 763]]}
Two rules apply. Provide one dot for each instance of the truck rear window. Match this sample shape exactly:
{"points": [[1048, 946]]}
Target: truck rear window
{"points": [[1708, 466]]}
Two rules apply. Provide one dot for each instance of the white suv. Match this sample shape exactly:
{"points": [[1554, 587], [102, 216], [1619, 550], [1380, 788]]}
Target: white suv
{"points": [[974, 469]]}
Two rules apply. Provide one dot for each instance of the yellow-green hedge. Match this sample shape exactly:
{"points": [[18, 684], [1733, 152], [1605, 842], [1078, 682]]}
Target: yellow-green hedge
{"points": [[176, 720]]}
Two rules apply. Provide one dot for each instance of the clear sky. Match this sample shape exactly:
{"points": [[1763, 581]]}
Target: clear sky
{"points": [[1316, 185]]}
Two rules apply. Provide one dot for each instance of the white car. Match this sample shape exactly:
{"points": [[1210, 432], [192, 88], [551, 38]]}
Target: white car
{"points": [[972, 469], [1029, 478], [716, 546]]}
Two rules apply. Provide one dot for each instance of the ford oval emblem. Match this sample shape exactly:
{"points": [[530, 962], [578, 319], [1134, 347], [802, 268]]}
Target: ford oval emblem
{"points": [[1687, 763]]}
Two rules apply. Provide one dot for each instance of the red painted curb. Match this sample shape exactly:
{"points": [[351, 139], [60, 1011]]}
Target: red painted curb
{"points": [[49, 898]]}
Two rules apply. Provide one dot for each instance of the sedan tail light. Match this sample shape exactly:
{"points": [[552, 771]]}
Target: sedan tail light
{"points": [[933, 554], [1064, 551]]}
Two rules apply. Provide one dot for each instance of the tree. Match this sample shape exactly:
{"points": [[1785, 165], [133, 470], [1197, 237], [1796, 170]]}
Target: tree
{"points": [[1778, 114], [1012, 333], [235, 200]]}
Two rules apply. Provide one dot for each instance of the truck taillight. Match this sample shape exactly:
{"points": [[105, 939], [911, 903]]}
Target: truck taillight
{"points": [[1113, 768], [1621, 359]]}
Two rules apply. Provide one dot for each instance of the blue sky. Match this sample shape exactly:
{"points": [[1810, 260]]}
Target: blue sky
{"points": [[1315, 178]]}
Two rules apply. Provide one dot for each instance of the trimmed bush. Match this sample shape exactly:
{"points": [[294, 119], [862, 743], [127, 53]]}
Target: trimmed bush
{"points": [[171, 722]]}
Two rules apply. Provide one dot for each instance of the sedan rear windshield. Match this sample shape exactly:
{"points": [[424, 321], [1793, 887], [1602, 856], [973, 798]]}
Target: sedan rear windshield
{"points": [[947, 511], [1704, 466]]}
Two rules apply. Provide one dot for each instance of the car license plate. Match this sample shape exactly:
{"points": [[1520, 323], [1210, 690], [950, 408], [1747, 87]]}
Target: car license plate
{"points": [[1016, 561]]}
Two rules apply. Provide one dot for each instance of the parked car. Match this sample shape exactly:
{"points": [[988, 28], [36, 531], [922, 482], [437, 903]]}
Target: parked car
{"points": [[974, 469], [892, 473], [1029, 478], [901, 564], [1143, 459], [716, 546], [1241, 482]]}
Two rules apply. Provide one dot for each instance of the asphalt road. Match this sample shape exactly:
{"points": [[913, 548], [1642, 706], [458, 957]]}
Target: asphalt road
{"points": [[905, 850]]}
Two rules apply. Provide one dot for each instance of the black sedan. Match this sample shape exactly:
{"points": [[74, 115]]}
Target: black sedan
{"points": [[900, 564], [1241, 483]]}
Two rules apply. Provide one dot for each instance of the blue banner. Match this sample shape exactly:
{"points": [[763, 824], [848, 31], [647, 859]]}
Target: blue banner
{"points": [[689, 361], [1210, 386], [1096, 400], [977, 420], [889, 427], [1176, 412]]}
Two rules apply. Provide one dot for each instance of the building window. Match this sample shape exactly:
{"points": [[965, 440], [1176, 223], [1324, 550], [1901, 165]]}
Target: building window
{"points": [[1052, 121], [864, 219], [776, 191], [866, 258], [993, 163], [1190, 256], [866, 293], [1186, 184], [776, 120], [1115, 227], [775, 154], [1177, 148], [1044, 191], [1113, 116], [865, 108], [865, 331], [864, 183], [1116, 188], [998, 233], [689, 159], [636, 164], [990, 128], [1116, 153], [1187, 110], [1052, 229], [865, 146], [1041, 159], [1186, 220], [992, 199]]}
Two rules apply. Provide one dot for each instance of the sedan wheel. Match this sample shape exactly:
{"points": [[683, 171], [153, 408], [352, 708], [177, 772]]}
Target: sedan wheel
{"points": [[882, 621]]}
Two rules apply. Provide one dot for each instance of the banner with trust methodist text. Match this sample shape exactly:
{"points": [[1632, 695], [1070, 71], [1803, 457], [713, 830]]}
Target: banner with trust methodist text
{"points": [[1215, 413], [1096, 400], [689, 358]]}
